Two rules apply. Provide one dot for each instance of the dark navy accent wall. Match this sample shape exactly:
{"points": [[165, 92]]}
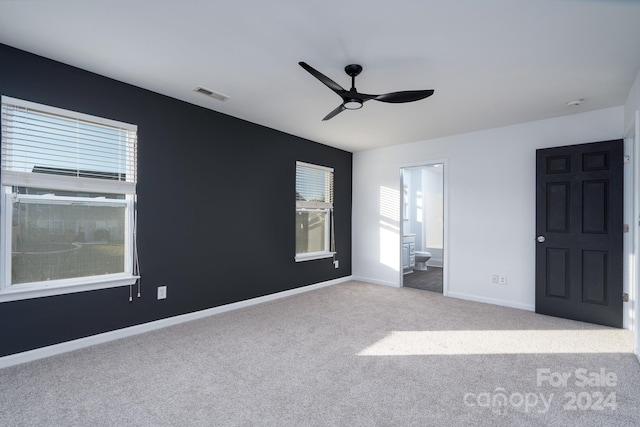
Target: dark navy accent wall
{"points": [[216, 207]]}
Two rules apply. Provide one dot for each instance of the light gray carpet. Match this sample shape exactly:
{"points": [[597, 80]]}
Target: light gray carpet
{"points": [[352, 354]]}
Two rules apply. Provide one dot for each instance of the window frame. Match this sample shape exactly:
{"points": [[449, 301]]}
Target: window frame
{"points": [[11, 179], [323, 207]]}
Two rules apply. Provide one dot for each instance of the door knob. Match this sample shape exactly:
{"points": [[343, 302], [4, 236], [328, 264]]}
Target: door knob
{"points": [[540, 239]]}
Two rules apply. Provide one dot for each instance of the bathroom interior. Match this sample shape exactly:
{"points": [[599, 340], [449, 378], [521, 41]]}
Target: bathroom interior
{"points": [[423, 227]]}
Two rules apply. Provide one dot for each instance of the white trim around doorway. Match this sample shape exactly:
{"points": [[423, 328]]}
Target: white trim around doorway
{"points": [[445, 214]]}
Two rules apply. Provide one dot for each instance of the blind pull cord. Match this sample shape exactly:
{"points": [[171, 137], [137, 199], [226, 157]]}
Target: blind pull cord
{"points": [[136, 264], [333, 236], [136, 261]]}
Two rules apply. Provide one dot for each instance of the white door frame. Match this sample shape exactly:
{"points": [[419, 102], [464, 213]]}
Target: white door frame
{"points": [[632, 257], [445, 215]]}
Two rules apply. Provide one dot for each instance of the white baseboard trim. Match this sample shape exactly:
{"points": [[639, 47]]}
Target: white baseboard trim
{"points": [[375, 281], [52, 350], [494, 301], [459, 295]]}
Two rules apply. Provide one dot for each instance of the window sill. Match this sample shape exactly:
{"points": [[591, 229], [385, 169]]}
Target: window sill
{"points": [[61, 287], [314, 255]]}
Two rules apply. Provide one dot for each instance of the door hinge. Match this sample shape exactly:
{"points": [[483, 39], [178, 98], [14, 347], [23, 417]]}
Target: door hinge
{"points": [[625, 297], [626, 160], [625, 228]]}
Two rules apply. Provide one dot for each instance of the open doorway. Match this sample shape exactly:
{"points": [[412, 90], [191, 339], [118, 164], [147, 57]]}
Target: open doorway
{"points": [[422, 199]]}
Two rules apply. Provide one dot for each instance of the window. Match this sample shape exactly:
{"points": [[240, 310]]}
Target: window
{"points": [[68, 191], [314, 212]]}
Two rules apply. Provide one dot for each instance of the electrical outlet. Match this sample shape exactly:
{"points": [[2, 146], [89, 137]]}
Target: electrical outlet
{"points": [[336, 264], [162, 292], [494, 279], [502, 280]]}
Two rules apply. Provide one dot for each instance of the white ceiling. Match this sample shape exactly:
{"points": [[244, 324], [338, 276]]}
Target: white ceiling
{"points": [[492, 62]]}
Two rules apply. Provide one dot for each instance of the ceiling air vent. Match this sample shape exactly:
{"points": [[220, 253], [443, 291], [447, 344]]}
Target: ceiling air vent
{"points": [[216, 95]]}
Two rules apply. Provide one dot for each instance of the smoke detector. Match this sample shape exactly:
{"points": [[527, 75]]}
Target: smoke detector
{"points": [[575, 102]]}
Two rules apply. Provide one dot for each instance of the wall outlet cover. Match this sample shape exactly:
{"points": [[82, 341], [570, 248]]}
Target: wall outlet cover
{"points": [[162, 292]]}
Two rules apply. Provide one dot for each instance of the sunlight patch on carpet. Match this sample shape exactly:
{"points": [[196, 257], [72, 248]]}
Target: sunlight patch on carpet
{"points": [[426, 343]]}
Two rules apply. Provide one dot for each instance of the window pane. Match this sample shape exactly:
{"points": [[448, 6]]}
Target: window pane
{"points": [[311, 233], [53, 241]]}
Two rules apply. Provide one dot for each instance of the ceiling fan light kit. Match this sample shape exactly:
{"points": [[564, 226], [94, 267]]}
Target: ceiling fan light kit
{"points": [[352, 104], [352, 99]]}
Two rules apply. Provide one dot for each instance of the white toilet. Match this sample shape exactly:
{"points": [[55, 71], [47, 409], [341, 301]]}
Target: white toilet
{"points": [[421, 260]]}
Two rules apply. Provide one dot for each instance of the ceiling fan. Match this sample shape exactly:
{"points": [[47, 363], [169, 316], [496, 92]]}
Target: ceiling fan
{"points": [[352, 99]]}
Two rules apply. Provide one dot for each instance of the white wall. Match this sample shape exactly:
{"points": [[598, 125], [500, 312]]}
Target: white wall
{"points": [[490, 179], [632, 135], [433, 184], [414, 220], [632, 105]]}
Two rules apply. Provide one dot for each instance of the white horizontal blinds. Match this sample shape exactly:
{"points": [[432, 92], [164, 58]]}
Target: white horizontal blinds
{"points": [[314, 186], [43, 140]]}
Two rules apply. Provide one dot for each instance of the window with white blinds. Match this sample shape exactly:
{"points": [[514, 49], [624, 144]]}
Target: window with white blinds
{"points": [[68, 183], [314, 186], [314, 212], [40, 142]]}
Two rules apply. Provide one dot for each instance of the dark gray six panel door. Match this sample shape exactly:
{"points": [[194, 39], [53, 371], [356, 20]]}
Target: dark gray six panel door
{"points": [[579, 232]]}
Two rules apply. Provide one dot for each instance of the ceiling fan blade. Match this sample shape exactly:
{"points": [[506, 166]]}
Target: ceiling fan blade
{"points": [[404, 96], [335, 112], [324, 79]]}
